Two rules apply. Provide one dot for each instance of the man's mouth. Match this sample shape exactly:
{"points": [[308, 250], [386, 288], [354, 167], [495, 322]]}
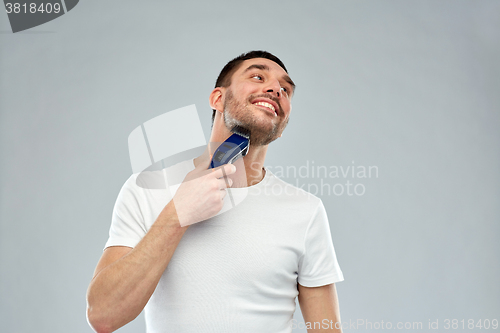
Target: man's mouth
{"points": [[268, 106]]}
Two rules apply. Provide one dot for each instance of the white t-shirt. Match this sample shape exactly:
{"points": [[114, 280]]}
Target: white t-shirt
{"points": [[238, 271]]}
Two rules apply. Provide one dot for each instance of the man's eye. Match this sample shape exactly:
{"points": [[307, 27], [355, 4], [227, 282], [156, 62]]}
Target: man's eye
{"points": [[285, 90], [258, 77]]}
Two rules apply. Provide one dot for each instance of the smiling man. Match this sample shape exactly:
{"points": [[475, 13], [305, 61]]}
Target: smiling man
{"points": [[194, 270]]}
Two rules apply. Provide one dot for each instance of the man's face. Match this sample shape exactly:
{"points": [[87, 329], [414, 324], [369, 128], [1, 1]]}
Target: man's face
{"points": [[259, 99]]}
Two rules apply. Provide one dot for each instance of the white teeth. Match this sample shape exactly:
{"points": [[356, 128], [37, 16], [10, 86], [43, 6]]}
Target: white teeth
{"points": [[267, 105]]}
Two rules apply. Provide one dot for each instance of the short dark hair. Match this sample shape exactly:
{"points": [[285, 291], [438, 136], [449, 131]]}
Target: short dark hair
{"points": [[224, 79]]}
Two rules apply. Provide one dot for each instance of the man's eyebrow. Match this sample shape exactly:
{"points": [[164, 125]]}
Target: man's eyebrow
{"points": [[257, 66], [266, 68]]}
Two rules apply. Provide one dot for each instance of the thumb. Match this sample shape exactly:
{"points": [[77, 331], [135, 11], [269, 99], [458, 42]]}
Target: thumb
{"points": [[203, 161]]}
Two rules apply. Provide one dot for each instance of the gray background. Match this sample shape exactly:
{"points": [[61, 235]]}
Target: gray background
{"points": [[411, 87]]}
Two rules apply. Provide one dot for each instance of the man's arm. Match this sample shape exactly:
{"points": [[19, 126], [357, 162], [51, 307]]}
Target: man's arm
{"points": [[125, 278], [320, 305]]}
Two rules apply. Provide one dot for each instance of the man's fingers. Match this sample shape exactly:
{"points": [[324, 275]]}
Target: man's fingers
{"points": [[224, 170], [225, 183], [222, 193], [219, 172]]}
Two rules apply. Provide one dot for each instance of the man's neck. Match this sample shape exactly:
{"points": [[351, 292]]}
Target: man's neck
{"points": [[253, 164]]}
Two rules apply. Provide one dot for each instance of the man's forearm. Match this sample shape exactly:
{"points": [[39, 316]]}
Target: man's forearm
{"points": [[319, 305], [120, 290]]}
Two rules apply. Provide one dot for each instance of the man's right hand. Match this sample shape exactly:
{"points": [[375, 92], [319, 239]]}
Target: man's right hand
{"points": [[201, 194]]}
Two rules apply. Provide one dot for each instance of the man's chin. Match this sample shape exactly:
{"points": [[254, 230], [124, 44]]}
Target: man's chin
{"points": [[258, 137], [262, 131]]}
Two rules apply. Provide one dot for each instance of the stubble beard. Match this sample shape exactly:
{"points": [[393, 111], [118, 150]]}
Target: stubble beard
{"points": [[261, 133]]}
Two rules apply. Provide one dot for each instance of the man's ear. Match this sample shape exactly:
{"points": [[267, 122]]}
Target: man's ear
{"points": [[216, 99]]}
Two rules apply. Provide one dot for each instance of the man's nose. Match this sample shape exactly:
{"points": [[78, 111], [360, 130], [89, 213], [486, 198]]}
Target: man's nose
{"points": [[274, 88]]}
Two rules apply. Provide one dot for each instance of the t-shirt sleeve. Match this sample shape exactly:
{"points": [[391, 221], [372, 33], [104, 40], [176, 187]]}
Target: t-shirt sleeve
{"points": [[318, 264], [127, 222]]}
